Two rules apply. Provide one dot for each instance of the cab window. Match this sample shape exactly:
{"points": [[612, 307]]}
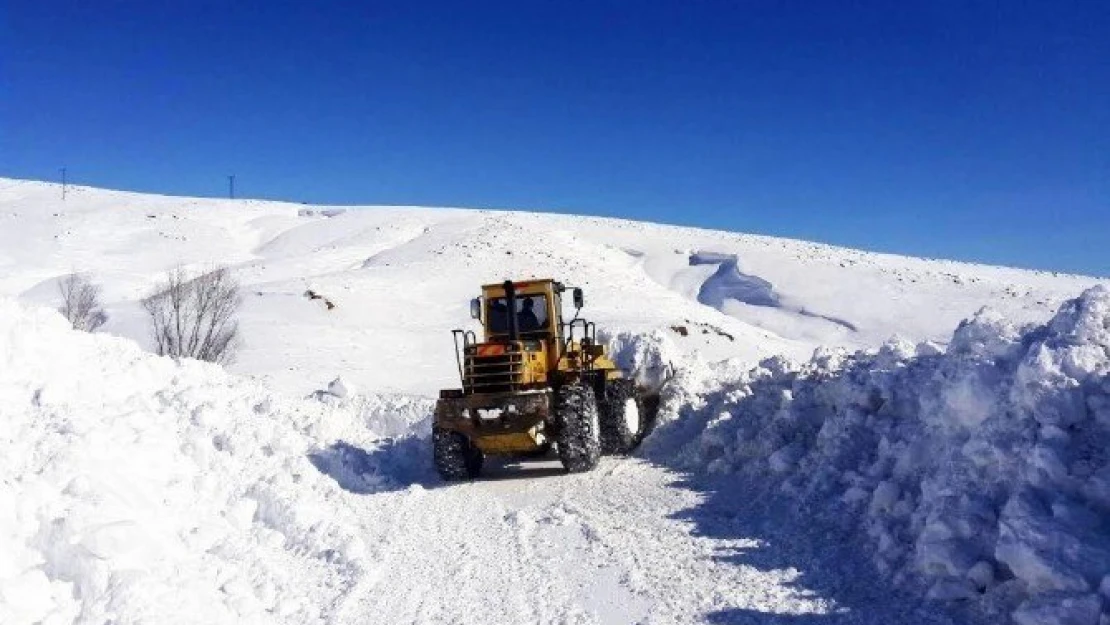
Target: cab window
{"points": [[531, 314]]}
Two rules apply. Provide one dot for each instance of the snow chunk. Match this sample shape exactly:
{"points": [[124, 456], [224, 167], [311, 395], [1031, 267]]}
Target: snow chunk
{"points": [[1059, 609], [982, 575], [1036, 549], [340, 389], [784, 459], [986, 335]]}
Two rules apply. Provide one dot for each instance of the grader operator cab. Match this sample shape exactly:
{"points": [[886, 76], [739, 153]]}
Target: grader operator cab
{"points": [[535, 380]]}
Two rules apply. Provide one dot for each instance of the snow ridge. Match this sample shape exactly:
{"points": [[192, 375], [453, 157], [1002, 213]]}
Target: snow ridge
{"points": [[729, 283], [980, 473], [139, 489]]}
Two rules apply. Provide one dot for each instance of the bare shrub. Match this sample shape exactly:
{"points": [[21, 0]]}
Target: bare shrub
{"points": [[195, 317], [81, 302]]}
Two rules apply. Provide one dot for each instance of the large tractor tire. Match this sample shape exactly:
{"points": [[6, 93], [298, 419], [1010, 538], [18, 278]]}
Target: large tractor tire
{"points": [[579, 436], [622, 417], [455, 457]]}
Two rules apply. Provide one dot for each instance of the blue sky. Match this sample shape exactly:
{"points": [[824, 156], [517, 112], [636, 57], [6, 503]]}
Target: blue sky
{"points": [[970, 130]]}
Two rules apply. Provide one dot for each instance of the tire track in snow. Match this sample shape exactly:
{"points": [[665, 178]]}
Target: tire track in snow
{"points": [[447, 562], [603, 547]]}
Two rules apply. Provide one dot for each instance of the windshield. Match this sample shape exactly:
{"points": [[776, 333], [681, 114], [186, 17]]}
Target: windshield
{"points": [[531, 314]]}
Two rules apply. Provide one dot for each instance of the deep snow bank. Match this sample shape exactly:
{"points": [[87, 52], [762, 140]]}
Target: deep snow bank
{"points": [[136, 489], [981, 472]]}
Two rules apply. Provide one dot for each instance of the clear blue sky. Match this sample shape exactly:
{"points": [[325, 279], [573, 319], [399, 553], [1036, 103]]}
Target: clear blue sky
{"points": [[962, 129]]}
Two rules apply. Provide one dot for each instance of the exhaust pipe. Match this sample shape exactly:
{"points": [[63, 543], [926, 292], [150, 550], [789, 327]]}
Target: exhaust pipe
{"points": [[510, 310]]}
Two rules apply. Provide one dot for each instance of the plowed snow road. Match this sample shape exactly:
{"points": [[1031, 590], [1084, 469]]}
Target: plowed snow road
{"points": [[627, 543]]}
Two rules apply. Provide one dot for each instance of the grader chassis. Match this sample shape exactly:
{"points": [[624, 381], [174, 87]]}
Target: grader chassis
{"points": [[534, 381]]}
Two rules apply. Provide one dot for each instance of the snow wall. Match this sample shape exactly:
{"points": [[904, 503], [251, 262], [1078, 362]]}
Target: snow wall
{"points": [[137, 489], [979, 473]]}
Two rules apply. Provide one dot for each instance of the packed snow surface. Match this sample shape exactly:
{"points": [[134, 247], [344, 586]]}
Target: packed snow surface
{"points": [[937, 478]]}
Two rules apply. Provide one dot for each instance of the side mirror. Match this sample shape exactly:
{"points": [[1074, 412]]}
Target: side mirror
{"points": [[476, 308], [578, 299]]}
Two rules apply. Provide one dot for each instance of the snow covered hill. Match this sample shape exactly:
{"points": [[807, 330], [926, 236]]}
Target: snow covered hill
{"points": [[401, 278], [945, 477]]}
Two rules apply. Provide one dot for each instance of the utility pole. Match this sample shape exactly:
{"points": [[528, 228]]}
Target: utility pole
{"points": [[231, 186], [63, 184]]}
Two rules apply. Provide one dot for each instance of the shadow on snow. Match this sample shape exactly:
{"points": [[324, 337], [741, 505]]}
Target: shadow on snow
{"points": [[392, 464], [829, 558], [398, 463], [729, 283]]}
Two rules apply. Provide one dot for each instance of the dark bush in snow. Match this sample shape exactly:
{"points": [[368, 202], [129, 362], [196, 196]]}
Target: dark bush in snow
{"points": [[195, 317], [81, 302]]}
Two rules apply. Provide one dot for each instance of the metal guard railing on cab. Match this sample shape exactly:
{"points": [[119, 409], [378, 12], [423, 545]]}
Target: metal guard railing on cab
{"points": [[589, 336], [468, 338]]}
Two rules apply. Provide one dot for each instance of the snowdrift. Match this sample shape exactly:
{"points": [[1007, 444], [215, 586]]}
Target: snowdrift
{"points": [[137, 489], [980, 472]]}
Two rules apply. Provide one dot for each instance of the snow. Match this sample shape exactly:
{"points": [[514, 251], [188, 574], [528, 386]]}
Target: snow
{"points": [[140, 489], [118, 500], [1061, 609], [978, 474], [828, 448], [400, 278], [337, 388]]}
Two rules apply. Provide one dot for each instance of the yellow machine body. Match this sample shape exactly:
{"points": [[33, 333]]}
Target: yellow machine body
{"points": [[509, 373]]}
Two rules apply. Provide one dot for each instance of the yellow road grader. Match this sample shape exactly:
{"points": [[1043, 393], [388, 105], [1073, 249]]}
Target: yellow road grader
{"points": [[535, 380]]}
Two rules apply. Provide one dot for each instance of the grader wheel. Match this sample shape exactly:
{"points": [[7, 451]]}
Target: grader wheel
{"points": [[578, 424], [455, 457], [622, 417]]}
